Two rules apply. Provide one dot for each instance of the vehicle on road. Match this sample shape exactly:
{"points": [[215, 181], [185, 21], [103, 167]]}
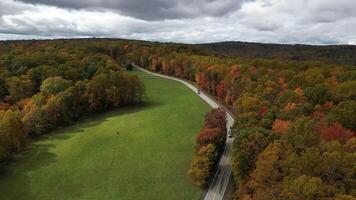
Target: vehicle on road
{"points": [[198, 92], [229, 135]]}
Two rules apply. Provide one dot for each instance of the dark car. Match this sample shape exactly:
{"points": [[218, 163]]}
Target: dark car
{"points": [[229, 135]]}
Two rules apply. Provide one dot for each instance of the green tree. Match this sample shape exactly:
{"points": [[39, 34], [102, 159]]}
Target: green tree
{"points": [[317, 95], [54, 85], [344, 113], [40, 73], [345, 91], [314, 76], [247, 103], [301, 135], [306, 187], [246, 147], [12, 133], [19, 87]]}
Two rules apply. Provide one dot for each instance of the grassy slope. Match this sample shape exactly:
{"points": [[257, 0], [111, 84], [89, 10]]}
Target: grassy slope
{"points": [[147, 159]]}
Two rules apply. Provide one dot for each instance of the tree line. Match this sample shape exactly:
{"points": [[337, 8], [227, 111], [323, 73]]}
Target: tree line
{"points": [[210, 142], [50, 84]]}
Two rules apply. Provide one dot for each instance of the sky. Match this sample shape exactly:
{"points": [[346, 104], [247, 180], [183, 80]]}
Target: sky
{"points": [[189, 21]]}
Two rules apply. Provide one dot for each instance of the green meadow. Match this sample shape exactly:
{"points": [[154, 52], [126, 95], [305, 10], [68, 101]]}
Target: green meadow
{"points": [[136, 152]]}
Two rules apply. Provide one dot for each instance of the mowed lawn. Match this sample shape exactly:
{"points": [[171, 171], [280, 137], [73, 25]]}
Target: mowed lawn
{"points": [[140, 152]]}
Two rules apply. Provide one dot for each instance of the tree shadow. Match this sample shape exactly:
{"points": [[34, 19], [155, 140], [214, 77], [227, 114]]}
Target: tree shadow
{"points": [[99, 118], [14, 176]]}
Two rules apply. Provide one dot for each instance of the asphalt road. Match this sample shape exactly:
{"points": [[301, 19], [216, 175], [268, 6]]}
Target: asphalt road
{"points": [[221, 178]]}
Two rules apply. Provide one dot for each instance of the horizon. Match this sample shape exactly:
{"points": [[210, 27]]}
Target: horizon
{"points": [[314, 22], [172, 42]]}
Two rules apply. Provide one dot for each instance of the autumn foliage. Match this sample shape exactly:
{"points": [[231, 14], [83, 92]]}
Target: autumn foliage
{"points": [[52, 84], [295, 119], [334, 131], [295, 105], [209, 142], [280, 126]]}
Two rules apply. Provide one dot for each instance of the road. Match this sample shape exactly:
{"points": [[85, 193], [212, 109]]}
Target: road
{"points": [[222, 175]]}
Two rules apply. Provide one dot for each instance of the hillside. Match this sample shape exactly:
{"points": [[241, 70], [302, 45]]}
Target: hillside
{"points": [[334, 54]]}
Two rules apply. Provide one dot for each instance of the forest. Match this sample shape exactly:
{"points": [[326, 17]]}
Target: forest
{"points": [[336, 54], [50, 84], [295, 123]]}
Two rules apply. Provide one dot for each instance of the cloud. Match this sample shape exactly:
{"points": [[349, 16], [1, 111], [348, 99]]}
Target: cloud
{"points": [[152, 9], [280, 21]]}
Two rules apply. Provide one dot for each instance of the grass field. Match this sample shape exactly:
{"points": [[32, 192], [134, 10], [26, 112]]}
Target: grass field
{"points": [[140, 152]]}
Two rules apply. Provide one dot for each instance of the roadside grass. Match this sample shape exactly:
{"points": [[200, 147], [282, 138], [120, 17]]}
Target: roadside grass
{"points": [[138, 152]]}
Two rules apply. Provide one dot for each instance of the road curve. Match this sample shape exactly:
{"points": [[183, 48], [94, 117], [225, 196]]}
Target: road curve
{"points": [[222, 175]]}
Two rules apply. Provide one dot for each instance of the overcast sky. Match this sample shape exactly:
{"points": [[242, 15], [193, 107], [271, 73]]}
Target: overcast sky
{"points": [[189, 21]]}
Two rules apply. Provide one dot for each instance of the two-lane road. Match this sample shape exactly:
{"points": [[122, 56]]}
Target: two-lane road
{"points": [[221, 178]]}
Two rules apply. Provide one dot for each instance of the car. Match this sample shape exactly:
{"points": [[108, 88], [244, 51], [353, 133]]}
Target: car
{"points": [[229, 135], [198, 91]]}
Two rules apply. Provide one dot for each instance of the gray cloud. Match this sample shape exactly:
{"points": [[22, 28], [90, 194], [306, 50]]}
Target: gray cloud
{"points": [[193, 21], [152, 9]]}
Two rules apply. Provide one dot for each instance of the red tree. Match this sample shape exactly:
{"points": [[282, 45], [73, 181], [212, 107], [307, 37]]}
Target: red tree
{"points": [[4, 106], [209, 136], [220, 90], [262, 111], [216, 118], [334, 131], [280, 126]]}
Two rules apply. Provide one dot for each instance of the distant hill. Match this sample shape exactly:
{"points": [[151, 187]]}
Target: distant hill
{"points": [[338, 54], [332, 54]]}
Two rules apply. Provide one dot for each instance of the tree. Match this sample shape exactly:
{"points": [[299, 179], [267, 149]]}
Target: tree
{"points": [[335, 132], [96, 92], [350, 145], [3, 90], [280, 126], [344, 113], [286, 97], [40, 73], [345, 91], [247, 103], [248, 144], [52, 112], [220, 90], [216, 118], [34, 118], [202, 165], [12, 133], [54, 85], [19, 87], [317, 95], [245, 120], [210, 136], [301, 135], [337, 168], [266, 179], [74, 100], [306, 187], [314, 76]]}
